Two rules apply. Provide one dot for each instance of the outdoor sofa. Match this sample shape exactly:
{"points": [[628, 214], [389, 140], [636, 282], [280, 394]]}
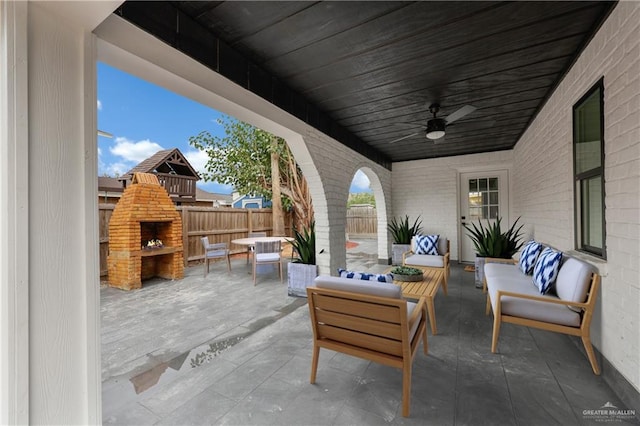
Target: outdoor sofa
{"points": [[545, 289]]}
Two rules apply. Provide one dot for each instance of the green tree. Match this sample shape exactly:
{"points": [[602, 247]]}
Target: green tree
{"points": [[361, 198], [243, 158]]}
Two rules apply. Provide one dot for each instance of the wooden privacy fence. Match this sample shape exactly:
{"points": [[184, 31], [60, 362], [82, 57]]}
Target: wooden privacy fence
{"points": [[362, 222], [220, 225]]}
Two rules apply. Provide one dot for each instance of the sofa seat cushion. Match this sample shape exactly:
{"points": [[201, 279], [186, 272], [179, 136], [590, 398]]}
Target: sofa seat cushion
{"points": [[372, 288], [527, 308], [505, 270], [431, 261]]}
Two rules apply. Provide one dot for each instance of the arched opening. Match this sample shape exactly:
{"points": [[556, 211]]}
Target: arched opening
{"points": [[366, 222]]}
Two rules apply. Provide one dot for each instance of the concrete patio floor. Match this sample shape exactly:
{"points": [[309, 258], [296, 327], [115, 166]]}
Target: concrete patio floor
{"points": [[218, 350]]}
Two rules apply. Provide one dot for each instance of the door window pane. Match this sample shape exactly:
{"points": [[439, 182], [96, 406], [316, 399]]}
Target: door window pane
{"points": [[493, 184], [483, 198]]}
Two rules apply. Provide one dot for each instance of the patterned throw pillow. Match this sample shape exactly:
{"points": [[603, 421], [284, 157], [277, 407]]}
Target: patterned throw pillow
{"points": [[427, 244], [546, 270], [382, 278], [528, 257]]}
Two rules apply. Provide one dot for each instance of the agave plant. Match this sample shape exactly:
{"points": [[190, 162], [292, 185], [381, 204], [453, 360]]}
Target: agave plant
{"points": [[490, 241], [402, 232], [304, 245]]}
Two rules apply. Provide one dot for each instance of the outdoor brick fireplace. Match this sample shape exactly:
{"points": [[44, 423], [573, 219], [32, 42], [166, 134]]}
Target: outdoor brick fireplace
{"points": [[144, 214]]}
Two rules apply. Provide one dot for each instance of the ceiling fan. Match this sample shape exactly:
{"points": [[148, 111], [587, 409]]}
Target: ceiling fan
{"points": [[436, 126]]}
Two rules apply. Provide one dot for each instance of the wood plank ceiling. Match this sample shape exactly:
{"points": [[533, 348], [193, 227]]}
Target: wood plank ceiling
{"points": [[366, 72]]}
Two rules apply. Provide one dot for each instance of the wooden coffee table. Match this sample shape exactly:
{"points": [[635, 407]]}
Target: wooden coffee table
{"points": [[427, 288]]}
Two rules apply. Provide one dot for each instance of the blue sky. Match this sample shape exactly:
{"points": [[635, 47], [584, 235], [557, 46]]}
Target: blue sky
{"points": [[144, 118]]}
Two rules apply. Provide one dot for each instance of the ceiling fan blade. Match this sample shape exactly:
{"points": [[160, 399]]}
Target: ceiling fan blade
{"points": [[404, 137], [473, 125], [465, 110]]}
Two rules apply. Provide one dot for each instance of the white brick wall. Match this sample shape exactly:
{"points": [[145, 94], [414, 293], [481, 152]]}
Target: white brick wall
{"points": [[335, 166], [543, 185], [429, 188]]}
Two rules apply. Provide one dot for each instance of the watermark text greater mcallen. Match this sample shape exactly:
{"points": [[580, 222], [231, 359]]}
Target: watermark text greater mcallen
{"points": [[609, 413]]}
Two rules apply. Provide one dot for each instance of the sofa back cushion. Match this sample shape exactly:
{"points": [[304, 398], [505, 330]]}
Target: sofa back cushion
{"points": [[372, 288], [574, 279]]}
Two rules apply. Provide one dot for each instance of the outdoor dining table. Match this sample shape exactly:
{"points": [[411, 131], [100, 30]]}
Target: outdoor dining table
{"points": [[251, 242]]}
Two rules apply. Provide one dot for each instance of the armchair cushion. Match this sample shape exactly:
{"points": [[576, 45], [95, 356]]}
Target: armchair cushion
{"points": [[373, 288], [424, 260], [528, 257], [427, 244], [546, 269], [382, 278]]}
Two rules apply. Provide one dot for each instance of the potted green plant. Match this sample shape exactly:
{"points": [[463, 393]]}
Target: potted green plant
{"points": [[302, 270], [402, 232], [406, 273], [491, 241]]}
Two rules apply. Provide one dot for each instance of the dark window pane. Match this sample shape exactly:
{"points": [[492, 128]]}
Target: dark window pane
{"points": [[587, 134], [592, 212], [493, 184]]}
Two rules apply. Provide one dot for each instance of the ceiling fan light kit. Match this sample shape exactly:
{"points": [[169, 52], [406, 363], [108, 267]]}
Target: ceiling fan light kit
{"points": [[435, 128]]}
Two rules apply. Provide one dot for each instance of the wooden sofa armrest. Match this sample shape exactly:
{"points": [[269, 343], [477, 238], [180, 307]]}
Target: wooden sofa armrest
{"points": [[543, 299], [421, 306], [405, 254]]}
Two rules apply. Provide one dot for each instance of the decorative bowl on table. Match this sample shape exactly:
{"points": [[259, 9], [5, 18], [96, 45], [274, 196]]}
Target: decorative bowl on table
{"points": [[406, 273]]}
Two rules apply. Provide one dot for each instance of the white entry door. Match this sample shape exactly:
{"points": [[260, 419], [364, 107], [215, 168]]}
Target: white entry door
{"points": [[484, 196]]}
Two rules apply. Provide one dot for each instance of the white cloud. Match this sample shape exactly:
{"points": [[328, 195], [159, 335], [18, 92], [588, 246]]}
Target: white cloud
{"points": [[134, 151], [99, 152], [360, 181], [198, 159], [99, 105], [117, 169]]}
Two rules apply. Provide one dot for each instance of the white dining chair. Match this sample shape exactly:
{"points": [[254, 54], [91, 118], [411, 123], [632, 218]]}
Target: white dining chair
{"points": [[213, 252], [250, 247], [267, 252]]}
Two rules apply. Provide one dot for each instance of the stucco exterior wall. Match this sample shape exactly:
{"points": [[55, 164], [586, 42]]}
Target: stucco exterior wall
{"points": [[543, 179]]}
